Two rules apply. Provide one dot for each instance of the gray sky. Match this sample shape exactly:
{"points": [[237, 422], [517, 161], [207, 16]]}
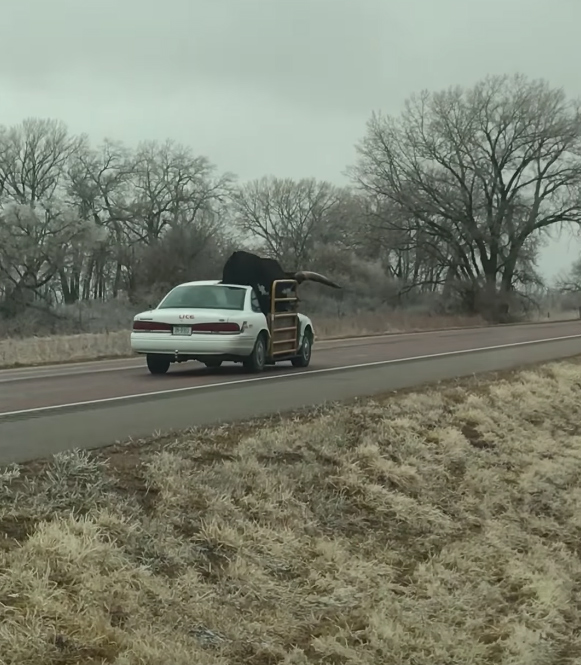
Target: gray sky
{"points": [[279, 87]]}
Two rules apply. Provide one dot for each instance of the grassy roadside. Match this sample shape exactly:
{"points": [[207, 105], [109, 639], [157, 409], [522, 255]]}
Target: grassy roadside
{"points": [[37, 351], [62, 349], [427, 526]]}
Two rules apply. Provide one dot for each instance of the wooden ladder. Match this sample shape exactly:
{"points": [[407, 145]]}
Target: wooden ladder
{"points": [[284, 326]]}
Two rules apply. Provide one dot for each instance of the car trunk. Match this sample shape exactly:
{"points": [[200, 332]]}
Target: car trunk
{"points": [[181, 321]]}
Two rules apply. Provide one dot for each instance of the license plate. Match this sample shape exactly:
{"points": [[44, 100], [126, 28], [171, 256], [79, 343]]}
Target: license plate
{"points": [[182, 330]]}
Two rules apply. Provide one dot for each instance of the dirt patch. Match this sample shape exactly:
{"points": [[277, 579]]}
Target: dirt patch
{"points": [[15, 529], [126, 467], [470, 431]]}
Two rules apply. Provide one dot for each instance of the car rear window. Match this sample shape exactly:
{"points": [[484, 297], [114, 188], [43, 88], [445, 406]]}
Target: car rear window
{"points": [[204, 297]]}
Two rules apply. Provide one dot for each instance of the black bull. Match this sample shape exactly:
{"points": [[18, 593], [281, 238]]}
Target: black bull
{"points": [[249, 269]]}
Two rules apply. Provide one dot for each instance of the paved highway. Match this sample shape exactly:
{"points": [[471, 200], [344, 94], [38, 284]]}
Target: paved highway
{"points": [[44, 410]]}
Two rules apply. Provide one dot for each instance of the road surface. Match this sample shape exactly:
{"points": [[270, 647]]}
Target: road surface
{"points": [[87, 405]]}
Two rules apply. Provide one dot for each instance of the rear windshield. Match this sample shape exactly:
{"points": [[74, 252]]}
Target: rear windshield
{"points": [[204, 297]]}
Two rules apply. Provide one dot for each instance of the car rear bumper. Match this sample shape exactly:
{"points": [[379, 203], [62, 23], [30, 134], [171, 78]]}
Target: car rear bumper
{"points": [[194, 345]]}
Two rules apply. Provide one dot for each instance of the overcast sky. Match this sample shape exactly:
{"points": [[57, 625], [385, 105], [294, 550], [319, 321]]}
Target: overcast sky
{"points": [[279, 87]]}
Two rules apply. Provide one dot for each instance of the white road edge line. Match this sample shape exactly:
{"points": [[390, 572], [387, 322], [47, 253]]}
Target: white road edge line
{"points": [[132, 361], [173, 391]]}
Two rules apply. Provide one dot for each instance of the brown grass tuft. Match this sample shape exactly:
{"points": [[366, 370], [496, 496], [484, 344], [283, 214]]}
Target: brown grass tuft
{"points": [[427, 527]]}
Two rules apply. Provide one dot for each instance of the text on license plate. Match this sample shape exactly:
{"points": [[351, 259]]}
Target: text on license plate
{"points": [[182, 330]]}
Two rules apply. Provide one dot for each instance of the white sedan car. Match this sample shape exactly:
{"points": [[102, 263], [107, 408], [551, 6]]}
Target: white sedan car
{"points": [[213, 322]]}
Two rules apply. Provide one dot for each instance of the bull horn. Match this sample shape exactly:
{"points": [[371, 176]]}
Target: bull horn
{"points": [[307, 275]]}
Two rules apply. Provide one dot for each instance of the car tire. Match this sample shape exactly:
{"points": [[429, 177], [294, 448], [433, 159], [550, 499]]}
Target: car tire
{"points": [[304, 357], [212, 364], [157, 363], [257, 359]]}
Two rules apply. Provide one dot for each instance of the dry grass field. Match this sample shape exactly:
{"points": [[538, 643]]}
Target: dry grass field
{"points": [[30, 351], [441, 526]]}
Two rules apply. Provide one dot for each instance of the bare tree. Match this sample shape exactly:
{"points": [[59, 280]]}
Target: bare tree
{"points": [[34, 242], [137, 198], [570, 281], [182, 254], [478, 172], [33, 159], [287, 216], [171, 188], [100, 187], [37, 226]]}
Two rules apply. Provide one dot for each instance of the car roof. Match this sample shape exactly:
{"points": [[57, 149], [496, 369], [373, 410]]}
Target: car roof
{"points": [[211, 282]]}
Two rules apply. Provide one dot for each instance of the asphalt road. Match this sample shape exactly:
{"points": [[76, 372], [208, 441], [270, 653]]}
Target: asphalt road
{"points": [[87, 405]]}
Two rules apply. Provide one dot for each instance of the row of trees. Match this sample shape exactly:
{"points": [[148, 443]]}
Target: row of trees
{"points": [[453, 197]]}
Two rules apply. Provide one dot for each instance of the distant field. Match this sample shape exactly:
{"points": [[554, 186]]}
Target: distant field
{"points": [[436, 526], [95, 346]]}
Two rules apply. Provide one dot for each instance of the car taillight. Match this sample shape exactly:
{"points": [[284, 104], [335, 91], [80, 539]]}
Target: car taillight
{"points": [[215, 328], [151, 326]]}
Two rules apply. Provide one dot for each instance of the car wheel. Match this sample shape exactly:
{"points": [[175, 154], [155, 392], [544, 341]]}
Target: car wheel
{"points": [[257, 359], [304, 357], [212, 363], [158, 364]]}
